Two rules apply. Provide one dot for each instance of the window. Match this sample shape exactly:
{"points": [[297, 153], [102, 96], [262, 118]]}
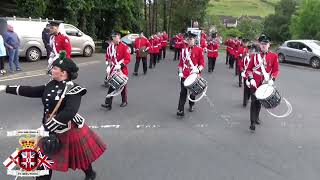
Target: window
{"points": [[71, 31], [294, 45], [301, 46]]}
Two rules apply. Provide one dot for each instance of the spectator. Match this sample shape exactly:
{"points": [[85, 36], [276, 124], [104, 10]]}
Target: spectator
{"points": [[12, 42], [46, 39], [2, 55]]}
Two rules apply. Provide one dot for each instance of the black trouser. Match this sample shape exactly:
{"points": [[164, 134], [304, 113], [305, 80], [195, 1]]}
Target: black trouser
{"points": [[240, 79], [160, 54], [48, 49], [108, 100], [164, 52], [236, 71], [176, 54], [183, 96], [89, 172], [153, 60], [246, 94], [211, 63], [231, 61], [227, 57], [2, 59], [144, 63], [254, 109]]}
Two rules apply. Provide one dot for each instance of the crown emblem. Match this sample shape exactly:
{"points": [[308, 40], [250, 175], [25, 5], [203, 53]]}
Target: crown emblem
{"points": [[28, 142]]}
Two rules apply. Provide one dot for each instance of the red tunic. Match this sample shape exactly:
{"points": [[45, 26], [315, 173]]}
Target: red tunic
{"points": [[244, 58], [164, 40], [196, 58], [271, 65], [140, 42], [212, 49], [120, 54], [60, 42]]}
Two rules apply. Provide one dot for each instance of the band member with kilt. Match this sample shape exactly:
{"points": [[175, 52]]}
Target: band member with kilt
{"points": [[212, 50], [190, 53], [117, 59], [141, 46], [256, 77], [80, 146]]}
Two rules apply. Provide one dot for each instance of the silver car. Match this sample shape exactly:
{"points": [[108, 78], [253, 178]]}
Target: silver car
{"points": [[301, 51], [32, 47]]}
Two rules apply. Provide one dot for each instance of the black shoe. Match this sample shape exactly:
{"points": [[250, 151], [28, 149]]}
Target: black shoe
{"points": [[180, 113], [258, 122], [240, 85], [107, 106], [91, 176], [252, 127], [135, 74], [124, 104], [144, 73], [191, 108], [244, 105]]}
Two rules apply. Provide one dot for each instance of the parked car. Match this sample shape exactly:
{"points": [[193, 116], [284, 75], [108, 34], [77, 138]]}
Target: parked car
{"points": [[129, 40], [302, 51], [32, 47]]}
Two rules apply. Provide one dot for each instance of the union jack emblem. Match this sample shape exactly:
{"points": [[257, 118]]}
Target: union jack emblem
{"points": [[44, 162]]}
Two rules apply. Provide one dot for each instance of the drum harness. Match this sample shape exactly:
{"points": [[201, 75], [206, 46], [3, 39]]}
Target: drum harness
{"points": [[266, 76], [113, 54], [188, 58]]}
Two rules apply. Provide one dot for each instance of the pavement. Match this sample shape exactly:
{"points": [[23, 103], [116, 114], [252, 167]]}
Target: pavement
{"points": [[147, 142]]}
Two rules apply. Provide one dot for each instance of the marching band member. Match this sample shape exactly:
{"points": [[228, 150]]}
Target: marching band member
{"points": [[160, 45], [80, 146], [117, 59], [241, 55], [164, 43], [238, 44], [141, 42], [191, 61], [152, 52], [58, 42], [212, 50], [263, 68], [228, 49], [177, 46]]}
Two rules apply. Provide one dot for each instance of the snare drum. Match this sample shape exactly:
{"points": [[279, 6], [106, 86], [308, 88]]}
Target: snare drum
{"points": [[117, 80], [195, 84], [268, 96]]}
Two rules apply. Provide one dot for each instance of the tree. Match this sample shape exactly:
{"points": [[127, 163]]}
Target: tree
{"points": [[31, 8], [306, 24], [277, 25], [250, 29], [232, 32]]}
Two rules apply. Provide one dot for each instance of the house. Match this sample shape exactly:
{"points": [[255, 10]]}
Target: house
{"points": [[229, 21]]}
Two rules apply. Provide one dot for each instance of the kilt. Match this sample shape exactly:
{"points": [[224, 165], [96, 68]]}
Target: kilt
{"points": [[79, 148]]}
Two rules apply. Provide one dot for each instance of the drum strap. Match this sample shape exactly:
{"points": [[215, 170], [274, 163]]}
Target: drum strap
{"points": [[261, 65]]}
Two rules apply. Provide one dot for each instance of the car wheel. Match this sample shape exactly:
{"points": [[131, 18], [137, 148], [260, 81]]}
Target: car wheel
{"points": [[315, 63], [87, 51], [281, 58], [33, 54]]}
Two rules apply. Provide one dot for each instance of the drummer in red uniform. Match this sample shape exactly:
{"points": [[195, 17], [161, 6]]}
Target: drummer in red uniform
{"points": [[256, 76], [58, 42], [117, 58], [185, 69], [141, 42]]}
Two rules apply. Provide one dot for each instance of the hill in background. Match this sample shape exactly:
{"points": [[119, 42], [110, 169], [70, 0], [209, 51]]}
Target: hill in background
{"points": [[239, 8]]}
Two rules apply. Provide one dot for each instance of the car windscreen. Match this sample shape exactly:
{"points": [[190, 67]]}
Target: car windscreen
{"points": [[315, 44]]}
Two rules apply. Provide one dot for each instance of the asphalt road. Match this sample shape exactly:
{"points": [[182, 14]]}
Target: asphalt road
{"points": [[147, 142]]}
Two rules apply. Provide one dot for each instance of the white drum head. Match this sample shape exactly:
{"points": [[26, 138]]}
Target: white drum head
{"points": [[264, 91], [190, 79]]}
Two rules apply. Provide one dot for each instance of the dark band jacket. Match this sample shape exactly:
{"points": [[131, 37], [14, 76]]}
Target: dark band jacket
{"points": [[50, 95]]}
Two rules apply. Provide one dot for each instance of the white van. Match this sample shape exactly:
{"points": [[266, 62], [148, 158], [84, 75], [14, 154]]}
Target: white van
{"points": [[30, 34]]}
